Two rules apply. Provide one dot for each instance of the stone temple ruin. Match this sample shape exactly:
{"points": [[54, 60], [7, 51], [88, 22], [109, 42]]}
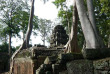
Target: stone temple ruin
{"points": [[42, 60], [59, 37]]}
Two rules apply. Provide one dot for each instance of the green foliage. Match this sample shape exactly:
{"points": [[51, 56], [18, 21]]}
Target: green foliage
{"points": [[10, 11], [66, 16], [102, 13], [102, 16], [14, 17], [59, 3], [24, 54], [23, 19], [45, 27], [4, 48]]}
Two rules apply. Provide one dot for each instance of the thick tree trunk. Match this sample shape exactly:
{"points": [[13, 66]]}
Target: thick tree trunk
{"points": [[89, 32], [73, 35], [26, 41], [72, 45], [92, 20], [44, 41], [91, 13]]}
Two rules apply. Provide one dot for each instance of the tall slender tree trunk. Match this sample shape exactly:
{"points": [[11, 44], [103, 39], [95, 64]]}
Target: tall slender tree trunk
{"points": [[9, 45], [73, 43], [88, 30], [10, 32], [26, 41], [109, 42], [23, 37], [30, 25], [5, 39], [44, 41]]}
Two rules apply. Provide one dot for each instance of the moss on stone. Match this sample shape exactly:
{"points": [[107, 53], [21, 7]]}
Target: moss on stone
{"points": [[93, 54], [64, 58], [24, 53], [80, 67]]}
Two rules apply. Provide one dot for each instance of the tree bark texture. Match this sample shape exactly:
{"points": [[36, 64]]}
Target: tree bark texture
{"points": [[73, 35], [30, 25], [72, 45], [9, 49], [26, 41], [88, 31], [91, 15]]}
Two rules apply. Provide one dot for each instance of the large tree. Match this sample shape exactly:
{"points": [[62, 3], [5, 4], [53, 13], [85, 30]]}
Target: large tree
{"points": [[69, 19], [8, 10], [90, 34], [23, 21], [17, 21], [27, 37], [91, 15], [100, 21], [72, 44]]}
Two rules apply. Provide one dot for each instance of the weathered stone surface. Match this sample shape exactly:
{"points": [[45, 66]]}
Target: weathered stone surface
{"points": [[50, 60], [24, 54], [35, 51], [37, 55], [40, 71], [102, 66], [23, 66], [61, 64], [80, 67], [44, 68], [37, 62], [96, 53], [56, 68], [64, 72], [48, 52], [64, 58], [58, 37]]}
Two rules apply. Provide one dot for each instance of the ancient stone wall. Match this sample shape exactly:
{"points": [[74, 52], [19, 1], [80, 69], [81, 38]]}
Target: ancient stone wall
{"points": [[80, 67], [28, 61], [75, 65], [23, 66], [101, 66], [57, 62]]}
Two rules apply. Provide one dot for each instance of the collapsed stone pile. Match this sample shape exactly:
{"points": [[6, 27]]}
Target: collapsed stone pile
{"points": [[58, 37]]}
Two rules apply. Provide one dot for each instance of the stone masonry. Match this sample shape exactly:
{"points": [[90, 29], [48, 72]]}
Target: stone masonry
{"points": [[58, 37]]}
